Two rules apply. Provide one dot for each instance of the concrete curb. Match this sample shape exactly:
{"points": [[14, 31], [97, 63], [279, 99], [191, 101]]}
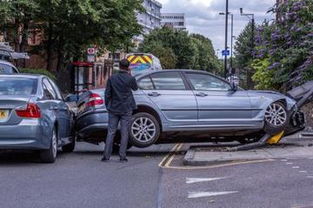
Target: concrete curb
{"points": [[197, 156]]}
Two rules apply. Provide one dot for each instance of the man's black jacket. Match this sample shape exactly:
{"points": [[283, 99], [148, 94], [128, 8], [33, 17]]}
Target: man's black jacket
{"points": [[119, 98]]}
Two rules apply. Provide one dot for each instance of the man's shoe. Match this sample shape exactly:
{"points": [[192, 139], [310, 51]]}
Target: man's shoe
{"points": [[104, 159], [123, 160]]}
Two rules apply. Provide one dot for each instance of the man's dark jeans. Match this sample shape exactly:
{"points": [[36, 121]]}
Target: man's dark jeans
{"points": [[114, 120]]}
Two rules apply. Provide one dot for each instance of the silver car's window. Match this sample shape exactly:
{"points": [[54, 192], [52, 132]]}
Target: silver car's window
{"points": [[207, 82], [48, 90], [18, 86], [7, 69], [145, 83], [168, 81]]}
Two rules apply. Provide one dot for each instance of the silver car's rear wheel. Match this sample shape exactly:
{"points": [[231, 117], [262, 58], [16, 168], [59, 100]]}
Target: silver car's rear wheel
{"points": [[276, 118], [144, 130], [276, 114]]}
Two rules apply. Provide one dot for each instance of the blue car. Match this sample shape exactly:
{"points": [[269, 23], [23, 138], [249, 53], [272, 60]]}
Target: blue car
{"points": [[34, 116], [192, 106]]}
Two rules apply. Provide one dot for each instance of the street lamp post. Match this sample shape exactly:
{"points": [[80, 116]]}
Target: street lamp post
{"points": [[250, 16], [231, 40], [226, 36]]}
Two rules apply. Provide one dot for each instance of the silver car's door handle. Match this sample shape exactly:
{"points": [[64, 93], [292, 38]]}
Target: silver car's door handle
{"points": [[154, 94], [201, 94]]}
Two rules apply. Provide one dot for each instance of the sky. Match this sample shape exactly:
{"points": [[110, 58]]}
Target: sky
{"points": [[202, 16]]}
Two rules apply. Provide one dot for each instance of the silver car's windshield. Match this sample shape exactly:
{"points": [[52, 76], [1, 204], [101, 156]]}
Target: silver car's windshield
{"points": [[18, 86]]}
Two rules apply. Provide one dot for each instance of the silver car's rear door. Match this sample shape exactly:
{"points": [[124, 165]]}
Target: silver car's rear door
{"points": [[169, 92], [219, 106]]}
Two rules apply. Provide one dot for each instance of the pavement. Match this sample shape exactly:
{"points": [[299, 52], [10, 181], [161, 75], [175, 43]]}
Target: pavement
{"points": [[290, 147]]}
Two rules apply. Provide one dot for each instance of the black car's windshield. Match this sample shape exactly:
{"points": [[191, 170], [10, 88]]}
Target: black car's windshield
{"points": [[18, 86], [6, 69]]}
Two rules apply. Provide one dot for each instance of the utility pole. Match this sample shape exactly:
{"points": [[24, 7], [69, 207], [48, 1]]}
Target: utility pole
{"points": [[231, 44], [226, 36]]}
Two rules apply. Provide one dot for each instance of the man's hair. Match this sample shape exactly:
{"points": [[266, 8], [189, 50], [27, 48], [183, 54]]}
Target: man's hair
{"points": [[124, 64]]}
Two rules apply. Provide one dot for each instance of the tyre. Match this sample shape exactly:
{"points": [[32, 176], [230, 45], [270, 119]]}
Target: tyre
{"points": [[144, 130], [69, 147], [50, 155], [276, 118]]}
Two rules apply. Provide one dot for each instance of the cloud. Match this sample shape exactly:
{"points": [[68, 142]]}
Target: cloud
{"points": [[202, 16]]}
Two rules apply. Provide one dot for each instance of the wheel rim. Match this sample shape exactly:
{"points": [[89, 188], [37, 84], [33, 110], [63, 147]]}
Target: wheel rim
{"points": [[54, 144], [143, 129], [276, 115]]}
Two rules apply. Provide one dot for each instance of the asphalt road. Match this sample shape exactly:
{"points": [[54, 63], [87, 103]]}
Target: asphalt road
{"points": [[81, 180]]}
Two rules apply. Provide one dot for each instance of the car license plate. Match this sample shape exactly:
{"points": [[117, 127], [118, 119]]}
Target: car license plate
{"points": [[4, 114]]}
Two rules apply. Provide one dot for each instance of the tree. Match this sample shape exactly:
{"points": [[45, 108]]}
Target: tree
{"points": [[206, 58], [288, 43], [70, 26], [244, 54], [182, 50]]}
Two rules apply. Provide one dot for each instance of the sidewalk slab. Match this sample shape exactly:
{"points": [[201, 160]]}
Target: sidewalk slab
{"points": [[214, 154]]}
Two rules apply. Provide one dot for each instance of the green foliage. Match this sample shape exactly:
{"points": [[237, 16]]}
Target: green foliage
{"points": [[178, 49], [70, 26], [38, 71], [288, 42], [166, 55], [263, 77]]}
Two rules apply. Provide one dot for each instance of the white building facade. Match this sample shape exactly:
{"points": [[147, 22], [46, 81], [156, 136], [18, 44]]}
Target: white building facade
{"points": [[151, 18], [174, 20]]}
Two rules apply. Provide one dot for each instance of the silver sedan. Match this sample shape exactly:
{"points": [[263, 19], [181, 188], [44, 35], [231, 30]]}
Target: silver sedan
{"points": [[192, 106], [33, 116]]}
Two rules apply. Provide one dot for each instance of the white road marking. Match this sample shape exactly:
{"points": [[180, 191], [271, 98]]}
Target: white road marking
{"points": [[192, 195], [284, 160], [295, 167], [303, 171], [289, 163], [199, 180], [309, 176]]}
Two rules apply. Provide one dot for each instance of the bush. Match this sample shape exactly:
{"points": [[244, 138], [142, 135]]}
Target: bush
{"points": [[38, 71]]}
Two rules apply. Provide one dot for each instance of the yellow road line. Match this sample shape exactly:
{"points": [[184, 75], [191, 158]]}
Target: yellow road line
{"points": [[169, 156]]}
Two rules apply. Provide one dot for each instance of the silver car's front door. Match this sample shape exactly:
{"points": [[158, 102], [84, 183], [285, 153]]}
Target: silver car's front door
{"points": [[218, 105], [170, 94]]}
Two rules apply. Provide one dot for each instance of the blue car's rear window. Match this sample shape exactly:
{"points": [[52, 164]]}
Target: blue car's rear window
{"points": [[18, 86]]}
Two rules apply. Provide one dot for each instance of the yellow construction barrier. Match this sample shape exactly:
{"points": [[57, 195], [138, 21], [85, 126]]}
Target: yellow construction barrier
{"points": [[275, 139]]}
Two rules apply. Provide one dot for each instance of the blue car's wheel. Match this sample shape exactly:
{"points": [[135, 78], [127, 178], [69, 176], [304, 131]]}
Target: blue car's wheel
{"points": [[49, 155]]}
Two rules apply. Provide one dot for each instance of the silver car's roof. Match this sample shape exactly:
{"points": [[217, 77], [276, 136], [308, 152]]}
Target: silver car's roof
{"points": [[177, 70]]}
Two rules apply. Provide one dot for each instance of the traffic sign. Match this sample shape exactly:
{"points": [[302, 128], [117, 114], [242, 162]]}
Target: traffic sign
{"points": [[225, 52]]}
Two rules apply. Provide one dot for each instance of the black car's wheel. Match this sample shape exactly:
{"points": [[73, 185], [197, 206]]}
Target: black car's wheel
{"points": [[69, 147], [276, 118], [50, 155], [144, 130]]}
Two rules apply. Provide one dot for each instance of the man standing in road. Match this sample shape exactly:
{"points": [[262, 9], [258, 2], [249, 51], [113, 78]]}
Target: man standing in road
{"points": [[120, 104]]}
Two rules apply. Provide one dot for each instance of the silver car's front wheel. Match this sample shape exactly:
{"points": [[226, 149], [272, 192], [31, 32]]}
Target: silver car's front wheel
{"points": [[276, 118], [276, 114], [144, 130]]}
